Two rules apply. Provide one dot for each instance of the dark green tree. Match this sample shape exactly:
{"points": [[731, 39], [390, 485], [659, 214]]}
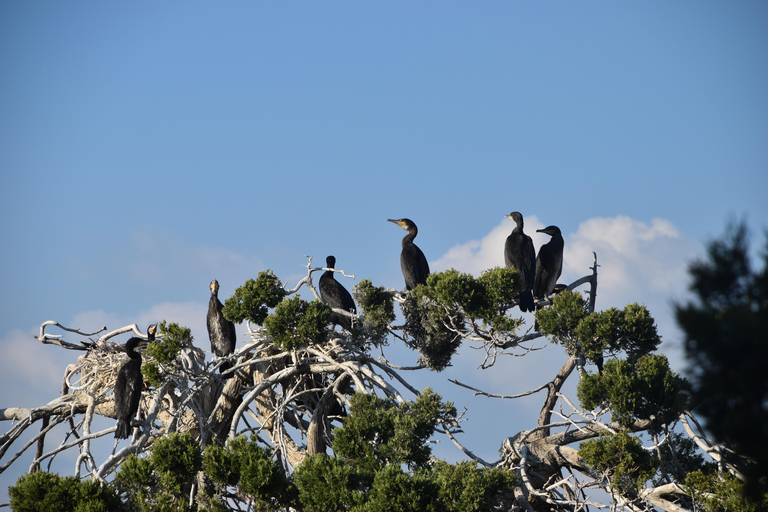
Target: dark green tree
{"points": [[726, 343]]}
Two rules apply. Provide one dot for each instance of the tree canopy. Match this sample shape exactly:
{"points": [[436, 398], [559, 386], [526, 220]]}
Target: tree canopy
{"points": [[307, 417]]}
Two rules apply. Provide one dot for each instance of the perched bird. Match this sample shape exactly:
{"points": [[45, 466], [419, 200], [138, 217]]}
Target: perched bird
{"points": [[335, 295], [221, 332], [412, 261], [128, 385], [520, 254], [549, 263]]}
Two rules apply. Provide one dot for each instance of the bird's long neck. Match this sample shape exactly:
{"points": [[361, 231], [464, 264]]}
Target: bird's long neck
{"points": [[132, 354], [408, 239]]}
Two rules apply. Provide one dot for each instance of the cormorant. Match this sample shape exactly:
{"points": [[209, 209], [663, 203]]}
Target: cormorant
{"points": [[128, 385], [549, 263], [335, 295], [520, 254], [221, 331], [412, 261]]}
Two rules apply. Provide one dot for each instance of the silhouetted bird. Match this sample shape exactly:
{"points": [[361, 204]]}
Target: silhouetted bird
{"points": [[412, 261], [520, 254], [221, 332], [335, 295], [549, 263], [129, 384]]}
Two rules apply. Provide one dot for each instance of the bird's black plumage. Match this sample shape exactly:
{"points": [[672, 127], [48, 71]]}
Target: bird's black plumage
{"points": [[335, 295], [221, 332], [412, 261], [128, 385], [549, 263], [520, 254]]}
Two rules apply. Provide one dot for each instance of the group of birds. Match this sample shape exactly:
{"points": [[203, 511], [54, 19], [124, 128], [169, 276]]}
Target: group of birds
{"points": [[540, 273]]}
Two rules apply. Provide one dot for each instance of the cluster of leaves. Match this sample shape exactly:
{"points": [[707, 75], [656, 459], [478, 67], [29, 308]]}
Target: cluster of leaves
{"points": [[377, 306], [678, 456], [296, 323], [646, 389], [163, 480], [249, 467], [48, 492], [622, 457], [171, 338], [631, 330], [719, 492], [436, 314], [377, 441], [253, 300]]}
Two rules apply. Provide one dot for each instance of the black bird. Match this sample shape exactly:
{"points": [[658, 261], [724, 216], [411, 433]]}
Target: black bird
{"points": [[520, 254], [128, 385], [335, 295], [549, 263], [221, 331], [412, 261]]}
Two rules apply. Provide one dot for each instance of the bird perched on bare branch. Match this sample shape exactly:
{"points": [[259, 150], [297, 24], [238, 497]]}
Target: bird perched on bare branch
{"points": [[221, 332], [129, 384], [549, 263], [335, 295]]}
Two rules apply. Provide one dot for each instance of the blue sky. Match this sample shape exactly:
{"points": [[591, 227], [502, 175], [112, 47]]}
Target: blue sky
{"points": [[147, 148]]}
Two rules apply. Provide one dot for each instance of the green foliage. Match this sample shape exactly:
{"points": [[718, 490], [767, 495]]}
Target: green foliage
{"points": [[725, 330], [152, 374], [379, 439], [253, 300], [501, 287], [171, 338], [721, 492], [450, 302], [245, 464], [428, 322], [622, 456], [176, 458], [48, 492], [380, 431], [296, 323], [632, 330], [464, 487], [395, 491], [638, 333], [328, 484], [561, 319], [460, 289], [377, 307], [641, 390], [678, 456], [137, 480], [161, 482]]}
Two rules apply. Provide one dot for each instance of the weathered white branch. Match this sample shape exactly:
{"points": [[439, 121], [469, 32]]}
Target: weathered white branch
{"points": [[55, 339]]}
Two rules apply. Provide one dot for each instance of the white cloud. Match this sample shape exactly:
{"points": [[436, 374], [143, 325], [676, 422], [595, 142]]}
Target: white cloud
{"points": [[639, 262], [477, 255], [30, 372]]}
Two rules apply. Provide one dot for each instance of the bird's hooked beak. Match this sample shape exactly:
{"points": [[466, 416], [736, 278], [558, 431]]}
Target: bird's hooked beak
{"points": [[399, 222], [214, 286], [151, 331]]}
